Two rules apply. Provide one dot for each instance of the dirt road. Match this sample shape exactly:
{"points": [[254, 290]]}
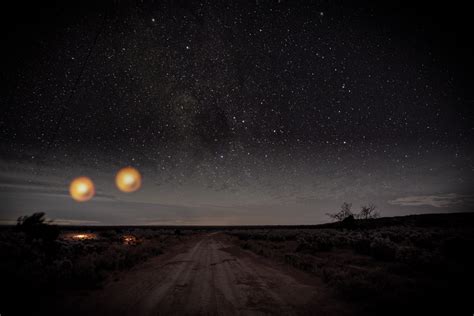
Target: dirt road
{"points": [[212, 277]]}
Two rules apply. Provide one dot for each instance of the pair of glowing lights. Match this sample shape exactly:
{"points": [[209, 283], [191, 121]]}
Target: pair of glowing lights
{"points": [[127, 180]]}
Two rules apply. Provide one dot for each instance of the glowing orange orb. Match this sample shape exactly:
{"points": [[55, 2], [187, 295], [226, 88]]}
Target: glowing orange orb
{"points": [[82, 189], [128, 179]]}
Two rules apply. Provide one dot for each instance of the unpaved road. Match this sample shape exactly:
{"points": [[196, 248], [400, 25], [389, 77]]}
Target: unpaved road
{"points": [[210, 276]]}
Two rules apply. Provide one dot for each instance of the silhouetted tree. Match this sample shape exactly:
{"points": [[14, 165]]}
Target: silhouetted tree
{"points": [[368, 212], [344, 213], [35, 226]]}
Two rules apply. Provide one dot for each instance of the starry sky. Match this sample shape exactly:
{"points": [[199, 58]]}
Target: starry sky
{"points": [[247, 112]]}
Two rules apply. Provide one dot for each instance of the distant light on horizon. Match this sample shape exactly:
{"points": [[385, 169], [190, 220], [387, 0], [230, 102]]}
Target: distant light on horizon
{"points": [[129, 240], [84, 236]]}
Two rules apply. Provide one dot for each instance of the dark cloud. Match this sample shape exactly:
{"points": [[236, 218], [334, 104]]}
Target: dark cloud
{"points": [[448, 200]]}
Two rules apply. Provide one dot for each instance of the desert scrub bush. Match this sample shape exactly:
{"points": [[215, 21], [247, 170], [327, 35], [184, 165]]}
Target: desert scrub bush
{"points": [[422, 239], [317, 241], [84, 271], [276, 237], [241, 235], [417, 257], [315, 244], [459, 248], [35, 226], [302, 262], [375, 285], [361, 244], [90, 268], [351, 284], [135, 254], [63, 269], [245, 245], [110, 234], [383, 249], [109, 259]]}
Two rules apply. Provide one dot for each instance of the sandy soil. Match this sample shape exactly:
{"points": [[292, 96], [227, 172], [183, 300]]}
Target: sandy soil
{"points": [[211, 276]]}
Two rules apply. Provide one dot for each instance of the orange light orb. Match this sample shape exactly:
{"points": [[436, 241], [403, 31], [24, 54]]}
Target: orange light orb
{"points": [[82, 189], [128, 179]]}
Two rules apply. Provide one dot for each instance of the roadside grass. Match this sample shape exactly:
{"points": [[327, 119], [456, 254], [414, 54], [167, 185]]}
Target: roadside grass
{"points": [[80, 260], [381, 270]]}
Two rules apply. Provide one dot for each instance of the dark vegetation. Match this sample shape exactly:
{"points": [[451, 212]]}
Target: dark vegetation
{"points": [[418, 264], [421, 264], [345, 214], [40, 259]]}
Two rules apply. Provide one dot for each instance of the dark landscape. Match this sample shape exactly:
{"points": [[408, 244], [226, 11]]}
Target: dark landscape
{"points": [[249, 157], [400, 265]]}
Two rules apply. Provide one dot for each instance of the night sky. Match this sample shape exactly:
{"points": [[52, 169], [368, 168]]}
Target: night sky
{"points": [[267, 112]]}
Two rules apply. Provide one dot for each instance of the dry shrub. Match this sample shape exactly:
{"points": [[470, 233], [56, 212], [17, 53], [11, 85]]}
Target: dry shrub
{"points": [[383, 249]]}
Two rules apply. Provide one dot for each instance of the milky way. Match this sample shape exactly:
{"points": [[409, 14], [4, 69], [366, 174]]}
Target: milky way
{"points": [[267, 112]]}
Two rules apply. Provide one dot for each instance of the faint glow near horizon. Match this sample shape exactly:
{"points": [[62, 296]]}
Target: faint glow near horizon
{"points": [[83, 236], [129, 240]]}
